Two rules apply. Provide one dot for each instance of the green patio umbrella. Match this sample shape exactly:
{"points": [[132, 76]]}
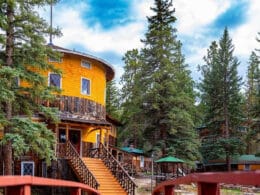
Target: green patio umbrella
{"points": [[132, 150], [169, 159]]}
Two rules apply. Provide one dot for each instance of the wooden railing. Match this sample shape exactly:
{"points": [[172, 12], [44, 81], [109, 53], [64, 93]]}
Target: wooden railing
{"points": [[208, 183], [79, 166], [82, 107], [22, 185], [117, 170]]}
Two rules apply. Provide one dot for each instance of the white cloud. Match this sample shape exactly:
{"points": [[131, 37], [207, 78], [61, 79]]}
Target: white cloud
{"points": [[194, 15], [193, 21], [244, 37], [93, 38]]}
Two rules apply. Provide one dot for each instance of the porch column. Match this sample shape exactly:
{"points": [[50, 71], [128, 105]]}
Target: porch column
{"points": [[169, 190], [18, 190], [100, 135], [67, 132], [75, 191], [208, 188]]}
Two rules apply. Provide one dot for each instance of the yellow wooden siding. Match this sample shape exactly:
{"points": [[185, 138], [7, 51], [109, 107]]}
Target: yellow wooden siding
{"points": [[72, 72], [253, 167], [90, 136]]}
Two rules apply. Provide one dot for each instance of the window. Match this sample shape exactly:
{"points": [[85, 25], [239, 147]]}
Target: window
{"points": [[27, 168], [85, 86], [17, 81], [44, 169], [55, 59], [247, 167], [142, 161], [55, 80], [62, 136], [85, 64]]}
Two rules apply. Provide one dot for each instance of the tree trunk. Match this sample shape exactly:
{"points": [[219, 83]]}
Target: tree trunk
{"points": [[7, 149]]}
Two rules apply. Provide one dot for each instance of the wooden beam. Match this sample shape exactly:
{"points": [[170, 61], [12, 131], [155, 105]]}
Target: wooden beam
{"points": [[67, 132]]}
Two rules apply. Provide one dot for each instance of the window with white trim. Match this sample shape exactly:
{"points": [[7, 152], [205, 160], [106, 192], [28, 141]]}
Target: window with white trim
{"points": [[85, 86], [44, 169], [27, 168], [17, 81], [247, 167], [85, 64], [55, 59], [55, 80]]}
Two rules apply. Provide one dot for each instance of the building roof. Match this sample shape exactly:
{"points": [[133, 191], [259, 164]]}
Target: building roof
{"points": [[113, 120], [169, 159], [248, 157], [110, 72], [132, 150], [84, 121]]}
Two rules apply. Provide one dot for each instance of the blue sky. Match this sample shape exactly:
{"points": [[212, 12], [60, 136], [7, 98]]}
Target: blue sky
{"points": [[107, 29]]}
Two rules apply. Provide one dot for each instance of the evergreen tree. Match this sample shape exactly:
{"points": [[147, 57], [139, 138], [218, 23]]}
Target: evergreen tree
{"points": [[112, 100], [23, 56], [131, 94], [220, 93], [169, 97], [253, 87], [253, 100]]}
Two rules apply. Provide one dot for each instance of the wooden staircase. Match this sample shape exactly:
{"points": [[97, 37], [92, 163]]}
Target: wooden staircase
{"points": [[108, 184]]}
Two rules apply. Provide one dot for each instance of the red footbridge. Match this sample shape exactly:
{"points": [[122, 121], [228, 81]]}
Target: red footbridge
{"points": [[209, 183], [21, 185]]}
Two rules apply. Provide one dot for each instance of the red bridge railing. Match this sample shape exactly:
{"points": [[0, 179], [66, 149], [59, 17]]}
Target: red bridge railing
{"points": [[208, 183], [21, 185]]}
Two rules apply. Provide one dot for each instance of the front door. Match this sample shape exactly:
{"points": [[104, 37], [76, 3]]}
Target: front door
{"points": [[75, 139]]}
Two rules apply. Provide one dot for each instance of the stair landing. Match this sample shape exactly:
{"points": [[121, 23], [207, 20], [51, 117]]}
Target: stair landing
{"points": [[108, 184]]}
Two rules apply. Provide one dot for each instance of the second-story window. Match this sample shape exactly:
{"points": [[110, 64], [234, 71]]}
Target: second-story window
{"points": [[85, 64], [85, 86], [55, 59], [55, 80]]}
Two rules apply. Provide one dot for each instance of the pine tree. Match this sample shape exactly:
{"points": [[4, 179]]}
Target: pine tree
{"points": [[112, 100], [23, 57], [131, 95], [221, 95], [253, 100], [169, 97]]}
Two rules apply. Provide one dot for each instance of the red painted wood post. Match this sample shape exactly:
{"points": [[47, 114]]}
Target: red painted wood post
{"points": [[18, 190], [208, 188], [27, 190], [169, 190], [75, 191]]}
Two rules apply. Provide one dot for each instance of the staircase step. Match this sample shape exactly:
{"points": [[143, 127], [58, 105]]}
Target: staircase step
{"points": [[108, 183]]}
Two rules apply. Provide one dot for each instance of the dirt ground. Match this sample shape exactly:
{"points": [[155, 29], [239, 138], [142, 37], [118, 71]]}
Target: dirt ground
{"points": [[144, 187]]}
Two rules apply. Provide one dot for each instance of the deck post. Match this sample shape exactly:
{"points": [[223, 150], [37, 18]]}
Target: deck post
{"points": [[75, 191], [27, 189], [208, 188], [169, 190], [18, 190]]}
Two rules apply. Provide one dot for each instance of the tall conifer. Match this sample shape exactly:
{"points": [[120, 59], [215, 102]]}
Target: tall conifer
{"points": [[220, 93], [131, 98], [23, 56], [112, 100], [168, 101]]}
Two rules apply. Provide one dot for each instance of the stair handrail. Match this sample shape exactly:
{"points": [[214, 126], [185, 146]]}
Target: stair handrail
{"points": [[117, 170], [80, 167]]}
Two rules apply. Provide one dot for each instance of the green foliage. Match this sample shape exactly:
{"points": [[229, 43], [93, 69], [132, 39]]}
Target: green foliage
{"points": [[23, 57], [112, 100], [28, 135], [221, 100], [252, 100], [158, 96], [131, 98], [253, 87]]}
